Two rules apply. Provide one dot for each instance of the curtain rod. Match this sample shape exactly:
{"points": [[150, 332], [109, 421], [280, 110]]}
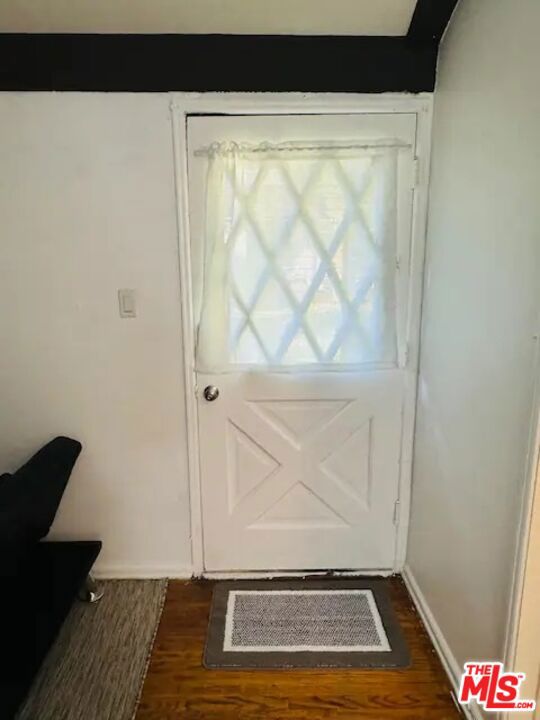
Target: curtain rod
{"points": [[230, 147]]}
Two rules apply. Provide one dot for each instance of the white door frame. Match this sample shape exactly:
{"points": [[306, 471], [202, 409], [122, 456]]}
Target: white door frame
{"points": [[526, 532], [523, 638], [185, 104]]}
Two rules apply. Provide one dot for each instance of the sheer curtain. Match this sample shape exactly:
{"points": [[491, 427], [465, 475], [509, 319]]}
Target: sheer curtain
{"points": [[299, 262]]}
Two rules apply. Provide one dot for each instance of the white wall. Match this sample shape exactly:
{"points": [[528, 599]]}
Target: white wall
{"points": [[302, 17], [87, 206], [480, 315]]}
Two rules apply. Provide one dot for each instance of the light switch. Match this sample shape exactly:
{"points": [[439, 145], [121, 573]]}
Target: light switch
{"points": [[126, 303]]}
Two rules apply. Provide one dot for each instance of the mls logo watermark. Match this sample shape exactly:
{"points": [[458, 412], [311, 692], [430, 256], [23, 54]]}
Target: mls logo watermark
{"points": [[491, 687]]}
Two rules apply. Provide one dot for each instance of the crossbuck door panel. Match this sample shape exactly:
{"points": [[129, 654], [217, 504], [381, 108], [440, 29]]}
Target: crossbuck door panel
{"points": [[305, 480], [300, 243]]}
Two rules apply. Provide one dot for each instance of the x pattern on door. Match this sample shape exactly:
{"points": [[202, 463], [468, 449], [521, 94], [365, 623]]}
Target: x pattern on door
{"points": [[314, 471]]}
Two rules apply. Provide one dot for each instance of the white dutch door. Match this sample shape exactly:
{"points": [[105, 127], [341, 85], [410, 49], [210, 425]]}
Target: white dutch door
{"points": [[300, 244]]}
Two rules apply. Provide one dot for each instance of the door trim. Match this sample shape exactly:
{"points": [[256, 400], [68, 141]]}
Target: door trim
{"points": [[185, 104], [529, 504]]}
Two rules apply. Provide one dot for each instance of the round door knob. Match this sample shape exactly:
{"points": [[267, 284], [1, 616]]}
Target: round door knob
{"points": [[211, 393]]}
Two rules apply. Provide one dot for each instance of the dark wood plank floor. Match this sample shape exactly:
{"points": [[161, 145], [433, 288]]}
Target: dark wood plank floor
{"points": [[177, 685]]}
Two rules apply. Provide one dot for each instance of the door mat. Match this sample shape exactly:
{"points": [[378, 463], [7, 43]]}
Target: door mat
{"points": [[304, 624]]}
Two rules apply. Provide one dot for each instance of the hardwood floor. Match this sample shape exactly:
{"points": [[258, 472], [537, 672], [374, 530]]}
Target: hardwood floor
{"points": [[178, 686]]}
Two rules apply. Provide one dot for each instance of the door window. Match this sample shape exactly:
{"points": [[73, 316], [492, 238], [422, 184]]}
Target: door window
{"points": [[300, 256]]}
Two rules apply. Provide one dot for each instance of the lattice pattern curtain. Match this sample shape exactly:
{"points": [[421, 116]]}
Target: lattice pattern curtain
{"points": [[299, 257]]}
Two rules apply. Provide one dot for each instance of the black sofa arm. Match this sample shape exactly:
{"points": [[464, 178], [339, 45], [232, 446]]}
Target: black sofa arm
{"points": [[39, 581]]}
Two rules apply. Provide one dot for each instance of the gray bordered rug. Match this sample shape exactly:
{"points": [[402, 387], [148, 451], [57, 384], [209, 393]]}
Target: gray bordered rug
{"points": [[304, 624]]}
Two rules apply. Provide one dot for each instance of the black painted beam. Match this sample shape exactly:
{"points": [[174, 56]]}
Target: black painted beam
{"points": [[430, 19], [262, 63]]}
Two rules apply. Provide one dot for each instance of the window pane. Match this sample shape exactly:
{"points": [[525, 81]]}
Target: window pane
{"points": [[311, 258]]}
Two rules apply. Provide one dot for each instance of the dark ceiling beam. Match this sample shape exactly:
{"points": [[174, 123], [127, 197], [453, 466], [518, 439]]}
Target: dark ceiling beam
{"points": [[215, 63], [430, 19], [251, 63]]}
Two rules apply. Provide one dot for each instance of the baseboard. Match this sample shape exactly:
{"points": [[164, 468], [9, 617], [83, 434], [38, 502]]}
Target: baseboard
{"points": [[447, 657], [145, 572], [140, 572]]}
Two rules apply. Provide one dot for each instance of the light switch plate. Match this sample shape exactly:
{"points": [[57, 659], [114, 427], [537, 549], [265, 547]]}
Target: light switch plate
{"points": [[126, 303]]}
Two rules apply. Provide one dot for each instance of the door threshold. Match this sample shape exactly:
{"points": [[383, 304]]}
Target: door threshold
{"points": [[270, 574]]}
